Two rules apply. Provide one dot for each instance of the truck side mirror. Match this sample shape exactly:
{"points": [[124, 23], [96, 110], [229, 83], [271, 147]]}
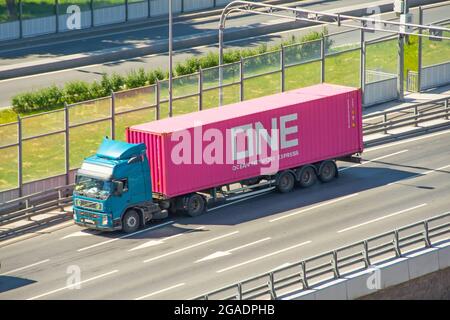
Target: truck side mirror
{"points": [[118, 188]]}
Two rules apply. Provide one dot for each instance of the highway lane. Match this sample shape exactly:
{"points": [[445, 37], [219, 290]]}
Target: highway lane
{"points": [[11, 87], [183, 257]]}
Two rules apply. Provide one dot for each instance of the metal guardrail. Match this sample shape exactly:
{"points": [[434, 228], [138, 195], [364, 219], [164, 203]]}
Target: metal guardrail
{"points": [[406, 116], [34, 204], [335, 264]]}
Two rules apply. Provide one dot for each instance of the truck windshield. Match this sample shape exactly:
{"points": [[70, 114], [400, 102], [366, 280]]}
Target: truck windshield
{"points": [[92, 187]]}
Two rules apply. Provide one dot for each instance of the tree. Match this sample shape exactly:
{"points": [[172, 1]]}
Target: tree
{"points": [[12, 9]]}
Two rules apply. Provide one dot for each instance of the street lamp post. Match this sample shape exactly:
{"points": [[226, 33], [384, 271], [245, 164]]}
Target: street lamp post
{"points": [[170, 58]]}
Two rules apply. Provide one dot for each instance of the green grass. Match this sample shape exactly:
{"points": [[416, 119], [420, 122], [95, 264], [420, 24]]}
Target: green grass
{"points": [[342, 68]]}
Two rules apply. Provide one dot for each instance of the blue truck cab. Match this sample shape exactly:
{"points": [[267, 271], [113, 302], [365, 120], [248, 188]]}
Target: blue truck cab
{"points": [[113, 189]]}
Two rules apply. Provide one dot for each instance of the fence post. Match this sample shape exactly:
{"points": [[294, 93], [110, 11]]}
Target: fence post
{"points": [[303, 278], [419, 69], [363, 65], [283, 74], [200, 88], [60, 197], [400, 66], [366, 253], [322, 59], [241, 75], [126, 10], [426, 235], [67, 142], [334, 265], [182, 6], [19, 156], [239, 291], [396, 244], [148, 9], [214, 3], [271, 284], [416, 114], [113, 115], [384, 121], [20, 19], [158, 87], [447, 110], [57, 15], [91, 6]]}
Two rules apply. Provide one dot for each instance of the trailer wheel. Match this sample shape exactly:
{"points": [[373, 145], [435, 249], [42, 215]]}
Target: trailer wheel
{"points": [[130, 221], [327, 171], [195, 205], [286, 182], [307, 177]]}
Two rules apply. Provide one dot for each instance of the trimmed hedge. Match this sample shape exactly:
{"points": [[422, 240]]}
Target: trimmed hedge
{"points": [[55, 97]]}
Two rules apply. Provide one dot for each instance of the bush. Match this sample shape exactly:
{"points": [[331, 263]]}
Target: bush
{"points": [[76, 91]]}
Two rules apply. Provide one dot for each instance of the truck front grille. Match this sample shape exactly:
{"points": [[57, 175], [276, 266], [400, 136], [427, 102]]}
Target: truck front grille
{"points": [[89, 204]]}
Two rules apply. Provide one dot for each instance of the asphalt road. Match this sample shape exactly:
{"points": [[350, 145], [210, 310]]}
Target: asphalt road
{"points": [[400, 183], [11, 87]]}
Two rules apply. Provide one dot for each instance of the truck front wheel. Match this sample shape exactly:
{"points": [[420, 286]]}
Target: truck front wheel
{"points": [[195, 205], [130, 222]]}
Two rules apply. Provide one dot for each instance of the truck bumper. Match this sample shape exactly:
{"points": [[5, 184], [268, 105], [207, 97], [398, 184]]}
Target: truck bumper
{"points": [[96, 227]]}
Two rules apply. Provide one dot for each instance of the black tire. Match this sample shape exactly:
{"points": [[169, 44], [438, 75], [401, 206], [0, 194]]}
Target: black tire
{"points": [[195, 205], [328, 171], [131, 221], [286, 182], [307, 177]]}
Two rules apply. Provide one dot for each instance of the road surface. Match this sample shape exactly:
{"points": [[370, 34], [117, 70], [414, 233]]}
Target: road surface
{"points": [[180, 258]]}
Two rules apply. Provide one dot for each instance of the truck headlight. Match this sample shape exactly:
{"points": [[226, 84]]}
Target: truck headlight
{"points": [[104, 220], [98, 206]]}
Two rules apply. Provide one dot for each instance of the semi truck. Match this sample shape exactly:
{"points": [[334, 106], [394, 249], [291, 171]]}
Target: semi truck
{"points": [[193, 162]]}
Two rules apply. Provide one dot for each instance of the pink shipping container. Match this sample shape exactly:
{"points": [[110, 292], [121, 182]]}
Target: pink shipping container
{"points": [[215, 147]]}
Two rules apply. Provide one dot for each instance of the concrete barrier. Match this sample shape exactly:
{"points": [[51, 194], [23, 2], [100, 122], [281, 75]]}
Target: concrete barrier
{"points": [[394, 272]]}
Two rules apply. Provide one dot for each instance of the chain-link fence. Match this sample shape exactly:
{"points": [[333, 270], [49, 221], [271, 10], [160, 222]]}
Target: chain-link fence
{"points": [[43, 150]]}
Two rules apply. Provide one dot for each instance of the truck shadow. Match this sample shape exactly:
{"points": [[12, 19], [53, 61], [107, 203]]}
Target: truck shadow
{"points": [[8, 283], [350, 181]]}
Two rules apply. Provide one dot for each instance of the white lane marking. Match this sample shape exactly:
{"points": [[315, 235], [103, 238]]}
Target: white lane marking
{"points": [[314, 207], [284, 265], [263, 257], [406, 141], [125, 236], [219, 254], [419, 174], [25, 267], [81, 233], [73, 285], [160, 291], [375, 159], [381, 218], [237, 201], [152, 243], [190, 247]]}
